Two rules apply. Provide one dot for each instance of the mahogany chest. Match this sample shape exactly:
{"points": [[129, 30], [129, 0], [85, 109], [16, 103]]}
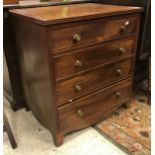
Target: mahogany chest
{"points": [[76, 61]]}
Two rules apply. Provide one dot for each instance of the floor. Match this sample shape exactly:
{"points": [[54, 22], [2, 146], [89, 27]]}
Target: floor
{"points": [[34, 139]]}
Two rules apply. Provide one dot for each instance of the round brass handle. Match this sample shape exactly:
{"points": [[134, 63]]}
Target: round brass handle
{"points": [[78, 88], [124, 27], [80, 113], [119, 72], [70, 100], [77, 37], [78, 63], [127, 23], [121, 51], [118, 94]]}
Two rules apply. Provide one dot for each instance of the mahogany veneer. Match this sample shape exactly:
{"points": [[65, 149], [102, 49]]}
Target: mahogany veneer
{"points": [[77, 62]]}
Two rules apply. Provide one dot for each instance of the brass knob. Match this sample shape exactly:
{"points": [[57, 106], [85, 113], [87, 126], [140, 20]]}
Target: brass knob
{"points": [[70, 100], [127, 23], [124, 27], [118, 94], [77, 37], [78, 63], [119, 72], [80, 113], [78, 88], [121, 51]]}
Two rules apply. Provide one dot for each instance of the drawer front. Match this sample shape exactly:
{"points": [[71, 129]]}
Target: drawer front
{"points": [[72, 63], [92, 32], [83, 84], [89, 108]]}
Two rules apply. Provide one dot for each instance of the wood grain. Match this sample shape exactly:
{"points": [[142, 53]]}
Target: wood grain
{"points": [[64, 13], [95, 104], [93, 56], [91, 32], [36, 76], [91, 81], [5, 2]]}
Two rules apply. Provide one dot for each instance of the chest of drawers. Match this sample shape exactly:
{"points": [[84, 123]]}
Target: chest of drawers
{"points": [[76, 61]]}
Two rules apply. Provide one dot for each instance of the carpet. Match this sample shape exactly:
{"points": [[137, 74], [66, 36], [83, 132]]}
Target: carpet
{"points": [[130, 128]]}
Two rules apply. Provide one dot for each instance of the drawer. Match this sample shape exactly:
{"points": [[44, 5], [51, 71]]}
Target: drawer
{"points": [[89, 109], [91, 32], [71, 89], [87, 58]]}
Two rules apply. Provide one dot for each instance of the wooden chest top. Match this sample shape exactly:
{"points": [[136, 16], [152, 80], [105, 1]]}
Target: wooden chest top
{"points": [[64, 13]]}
